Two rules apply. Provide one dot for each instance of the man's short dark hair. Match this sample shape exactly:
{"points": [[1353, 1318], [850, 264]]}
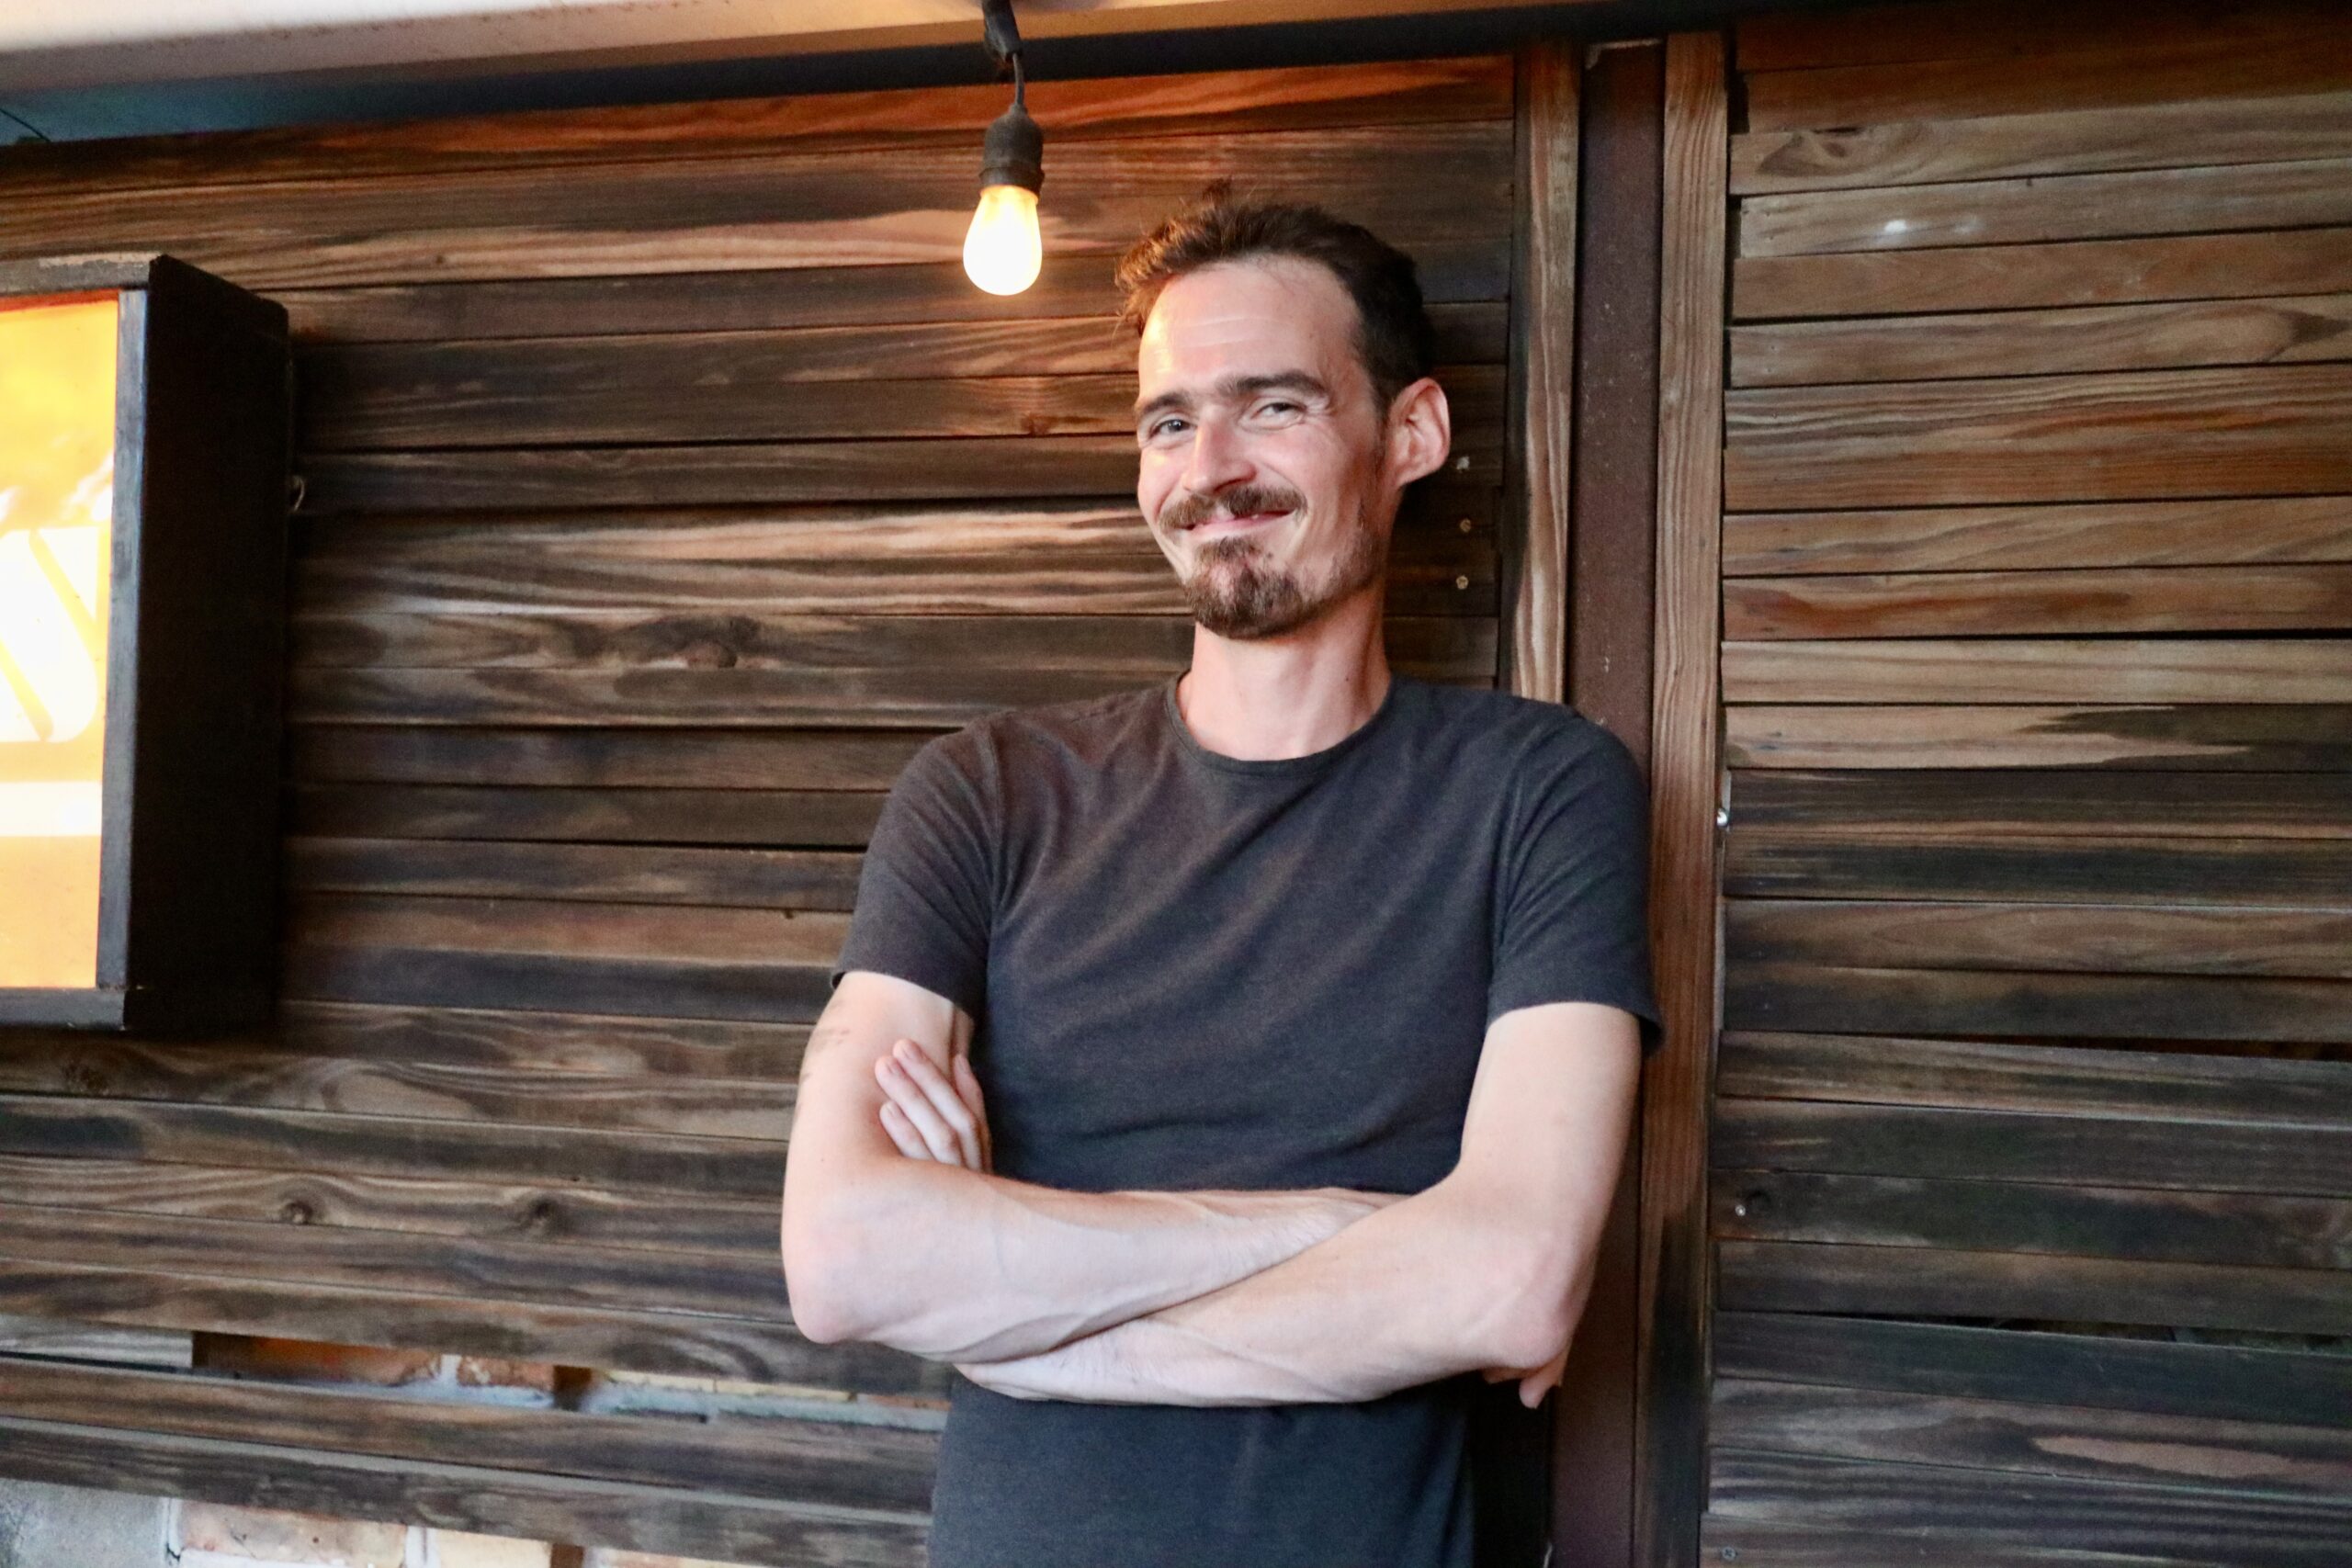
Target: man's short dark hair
{"points": [[1394, 337]]}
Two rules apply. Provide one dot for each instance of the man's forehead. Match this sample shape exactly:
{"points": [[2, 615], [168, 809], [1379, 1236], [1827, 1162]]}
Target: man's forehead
{"points": [[1265, 316]]}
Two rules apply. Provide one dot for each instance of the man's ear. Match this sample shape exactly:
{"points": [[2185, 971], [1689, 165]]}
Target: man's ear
{"points": [[1420, 431]]}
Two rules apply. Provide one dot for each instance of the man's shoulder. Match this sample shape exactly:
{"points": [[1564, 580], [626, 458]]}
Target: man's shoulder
{"points": [[1500, 727], [1082, 725]]}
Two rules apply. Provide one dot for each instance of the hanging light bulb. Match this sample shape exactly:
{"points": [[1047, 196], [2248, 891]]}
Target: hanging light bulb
{"points": [[1002, 249]]}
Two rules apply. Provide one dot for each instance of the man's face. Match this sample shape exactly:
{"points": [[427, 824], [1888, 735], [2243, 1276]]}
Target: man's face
{"points": [[1264, 476]]}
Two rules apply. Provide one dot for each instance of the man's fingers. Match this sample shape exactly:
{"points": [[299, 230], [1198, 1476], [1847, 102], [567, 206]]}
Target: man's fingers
{"points": [[946, 1122], [938, 1138], [970, 1082], [947, 1099], [902, 1132]]}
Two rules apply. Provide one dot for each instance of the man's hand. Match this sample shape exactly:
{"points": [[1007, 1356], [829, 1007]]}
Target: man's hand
{"points": [[1534, 1382], [929, 1117]]}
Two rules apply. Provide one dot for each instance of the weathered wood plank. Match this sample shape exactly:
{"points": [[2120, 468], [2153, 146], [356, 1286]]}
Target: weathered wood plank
{"points": [[745, 879], [1448, 179], [770, 819], [2258, 736], [1049, 465], [782, 937], [2055, 869], [1452, 274], [487, 391], [1143, 648], [2041, 671], [643, 987], [2276, 430], [683, 1343], [2061, 603], [2035, 1439], [2203, 130], [474, 1497], [2045, 1218], [1784, 1511], [209, 1072], [1089, 558], [382, 1145], [538, 1273], [925, 697], [2213, 1383], [696, 388], [2177, 1154], [1884, 933], [2075, 340], [2268, 530], [2121, 70], [1975, 804], [2072, 272], [841, 1463], [1976, 1075], [1078, 109], [553, 1041], [704, 760], [489, 1211], [1918, 1281], [2306, 193], [774, 473], [2092, 1007]]}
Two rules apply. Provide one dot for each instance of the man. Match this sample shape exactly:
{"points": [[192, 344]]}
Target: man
{"points": [[1226, 1077]]}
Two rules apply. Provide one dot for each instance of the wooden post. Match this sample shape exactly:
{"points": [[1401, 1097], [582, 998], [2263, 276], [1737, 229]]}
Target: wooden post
{"points": [[1614, 478], [1685, 794]]}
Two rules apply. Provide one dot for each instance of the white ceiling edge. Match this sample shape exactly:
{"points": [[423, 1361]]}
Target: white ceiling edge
{"points": [[99, 44]]}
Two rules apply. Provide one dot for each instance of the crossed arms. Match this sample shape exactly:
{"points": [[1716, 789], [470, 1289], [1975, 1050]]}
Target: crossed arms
{"points": [[1197, 1298]]}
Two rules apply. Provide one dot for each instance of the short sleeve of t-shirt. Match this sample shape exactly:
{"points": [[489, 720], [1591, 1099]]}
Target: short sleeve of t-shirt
{"points": [[926, 893], [1575, 920]]}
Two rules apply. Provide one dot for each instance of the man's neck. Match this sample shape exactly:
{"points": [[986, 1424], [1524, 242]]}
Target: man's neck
{"points": [[1291, 695]]}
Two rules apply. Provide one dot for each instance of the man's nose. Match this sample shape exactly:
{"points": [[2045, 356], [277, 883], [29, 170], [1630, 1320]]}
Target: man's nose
{"points": [[1217, 459]]}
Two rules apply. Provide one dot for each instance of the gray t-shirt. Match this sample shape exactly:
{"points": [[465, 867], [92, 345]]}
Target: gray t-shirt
{"points": [[1188, 971]]}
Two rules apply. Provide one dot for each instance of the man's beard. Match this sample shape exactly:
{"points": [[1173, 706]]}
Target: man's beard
{"points": [[1235, 593]]}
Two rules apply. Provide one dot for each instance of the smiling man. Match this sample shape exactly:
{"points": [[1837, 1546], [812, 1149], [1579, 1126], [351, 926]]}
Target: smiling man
{"points": [[1229, 1076]]}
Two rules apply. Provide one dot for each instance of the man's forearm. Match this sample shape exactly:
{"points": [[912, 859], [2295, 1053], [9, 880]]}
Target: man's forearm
{"points": [[957, 1265], [1434, 1285]]}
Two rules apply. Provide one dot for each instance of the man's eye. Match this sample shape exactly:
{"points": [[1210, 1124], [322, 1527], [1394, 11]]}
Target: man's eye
{"points": [[1160, 427]]}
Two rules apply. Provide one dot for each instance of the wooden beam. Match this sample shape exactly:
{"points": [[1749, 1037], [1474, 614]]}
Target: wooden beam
{"points": [[1685, 794], [1541, 367], [1613, 479]]}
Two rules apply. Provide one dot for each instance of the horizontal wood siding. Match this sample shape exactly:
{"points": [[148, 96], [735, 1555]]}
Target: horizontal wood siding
{"points": [[2033, 1112], [665, 485]]}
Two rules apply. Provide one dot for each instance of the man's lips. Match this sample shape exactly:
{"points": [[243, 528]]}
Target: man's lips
{"points": [[1234, 524]]}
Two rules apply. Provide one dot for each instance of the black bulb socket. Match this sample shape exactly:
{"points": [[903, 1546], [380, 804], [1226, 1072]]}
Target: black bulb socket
{"points": [[1013, 151]]}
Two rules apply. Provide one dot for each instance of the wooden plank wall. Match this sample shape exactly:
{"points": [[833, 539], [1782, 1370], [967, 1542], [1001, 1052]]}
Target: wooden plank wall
{"points": [[665, 485], [2032, 1148]]}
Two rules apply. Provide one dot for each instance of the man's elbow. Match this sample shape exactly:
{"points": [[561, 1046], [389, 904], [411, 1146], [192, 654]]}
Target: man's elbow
{"points": [[820, 1275], [1541, 1295]]}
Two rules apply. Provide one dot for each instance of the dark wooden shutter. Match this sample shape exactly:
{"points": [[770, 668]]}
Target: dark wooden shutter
{"points": [[2031, 1145]]}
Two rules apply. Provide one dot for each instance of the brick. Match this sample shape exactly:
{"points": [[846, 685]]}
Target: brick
{"points": [[456, 1549], [47, 1526], [274, 1535]]}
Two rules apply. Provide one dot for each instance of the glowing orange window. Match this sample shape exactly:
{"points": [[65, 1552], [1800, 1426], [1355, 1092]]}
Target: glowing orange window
{"points": [[57, 437]]}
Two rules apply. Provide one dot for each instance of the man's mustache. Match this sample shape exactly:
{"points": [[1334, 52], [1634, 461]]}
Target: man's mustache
{"points": [[1190, 510]]}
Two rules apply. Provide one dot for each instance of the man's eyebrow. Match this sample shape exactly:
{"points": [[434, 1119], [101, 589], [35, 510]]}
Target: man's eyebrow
{"points": [[1233, 389]]}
